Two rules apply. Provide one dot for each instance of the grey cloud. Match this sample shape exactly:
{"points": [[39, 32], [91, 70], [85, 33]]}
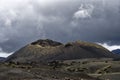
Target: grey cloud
{"points": [[21, 25], [84, 11]]}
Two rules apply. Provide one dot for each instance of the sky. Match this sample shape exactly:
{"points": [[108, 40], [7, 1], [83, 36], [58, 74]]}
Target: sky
{"points": [[24, 21]]}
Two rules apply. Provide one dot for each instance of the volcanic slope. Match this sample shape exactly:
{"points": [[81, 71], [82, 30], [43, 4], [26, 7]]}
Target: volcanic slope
{"points": [[49, 50]]}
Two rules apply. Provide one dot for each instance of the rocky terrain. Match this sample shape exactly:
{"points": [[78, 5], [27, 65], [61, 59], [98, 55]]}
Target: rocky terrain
{"points": [[51, 60]]}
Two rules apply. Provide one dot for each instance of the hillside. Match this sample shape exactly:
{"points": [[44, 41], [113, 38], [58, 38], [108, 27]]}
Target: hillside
{"points": [[48, 50]]}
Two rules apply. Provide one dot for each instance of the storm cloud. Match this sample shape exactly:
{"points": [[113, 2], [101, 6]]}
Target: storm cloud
{"points": [[23, 21]]}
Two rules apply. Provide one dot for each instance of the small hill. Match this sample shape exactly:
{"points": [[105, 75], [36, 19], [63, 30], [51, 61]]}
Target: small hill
{"points": [[117, 51], [49, 50]]}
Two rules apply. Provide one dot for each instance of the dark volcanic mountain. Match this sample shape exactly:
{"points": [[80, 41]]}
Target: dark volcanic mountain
{"points": [[48, 50]]}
